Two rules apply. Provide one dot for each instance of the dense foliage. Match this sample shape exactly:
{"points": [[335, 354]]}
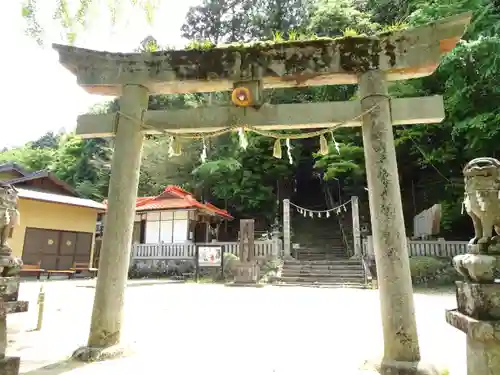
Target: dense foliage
{"points": [[249, 181]]}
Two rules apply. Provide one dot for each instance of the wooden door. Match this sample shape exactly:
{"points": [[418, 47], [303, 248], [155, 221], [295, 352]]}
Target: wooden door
{"points": [[49, 246], [57, 250], [83, 247], [136, 234], [97, 252], [32, 252], [67, 248]]}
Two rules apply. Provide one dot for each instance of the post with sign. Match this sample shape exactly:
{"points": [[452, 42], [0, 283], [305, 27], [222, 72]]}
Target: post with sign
{"points": [[208, 256]]}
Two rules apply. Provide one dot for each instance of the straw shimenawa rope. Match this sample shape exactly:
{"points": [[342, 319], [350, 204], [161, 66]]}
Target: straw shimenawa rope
{"points": [[243, 128]]}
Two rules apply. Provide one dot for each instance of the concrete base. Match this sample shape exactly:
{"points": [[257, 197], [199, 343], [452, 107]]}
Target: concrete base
{"points": [[10, 365], [249, 285], [9, 287], [478, 301], [246, 273], [483, 358], [483, 342], [90, 354], [388, 367]]}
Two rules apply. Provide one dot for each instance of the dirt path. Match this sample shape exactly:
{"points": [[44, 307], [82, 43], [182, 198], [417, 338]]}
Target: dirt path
{"points": [[212, 329]]}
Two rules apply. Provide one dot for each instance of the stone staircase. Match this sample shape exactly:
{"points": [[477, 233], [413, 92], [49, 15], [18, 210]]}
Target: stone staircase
{"points": [[324, 273], [321, 238], [333, 253]]}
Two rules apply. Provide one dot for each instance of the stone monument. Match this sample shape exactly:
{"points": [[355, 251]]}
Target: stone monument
{"points": [[9, 275], [246, 271], [478, 296]]}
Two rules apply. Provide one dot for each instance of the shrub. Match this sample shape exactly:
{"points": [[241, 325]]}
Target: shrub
{"points": [[271, 266], [425, 266], [229, 262], [432, 270]]}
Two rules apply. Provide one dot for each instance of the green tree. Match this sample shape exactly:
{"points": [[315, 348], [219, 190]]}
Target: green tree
{"points": [[31, 158], [334, 17]]}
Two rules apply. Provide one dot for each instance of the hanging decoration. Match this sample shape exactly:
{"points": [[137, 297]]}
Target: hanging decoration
{"points": [[175, 149], [277, 149], [335, 143], [321, 213], [289, 150], [204, 152], [323, 145], [243, 138]]}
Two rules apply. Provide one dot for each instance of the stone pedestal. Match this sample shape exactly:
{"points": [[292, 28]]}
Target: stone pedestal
{"points": [[246, 274], [9, 290], [10, 365], [478, 316]]}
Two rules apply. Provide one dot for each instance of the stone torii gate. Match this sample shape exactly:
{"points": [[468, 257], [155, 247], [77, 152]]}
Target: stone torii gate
{"points": [[370, 62]]}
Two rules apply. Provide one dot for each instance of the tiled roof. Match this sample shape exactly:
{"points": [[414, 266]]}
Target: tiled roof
{"points": [[38, 175], [158, 204], [58, 198], [12, 166], [174, 197]]}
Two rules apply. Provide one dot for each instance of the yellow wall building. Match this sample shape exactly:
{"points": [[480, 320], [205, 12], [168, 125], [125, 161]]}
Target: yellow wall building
{"points": [[56, 226]]}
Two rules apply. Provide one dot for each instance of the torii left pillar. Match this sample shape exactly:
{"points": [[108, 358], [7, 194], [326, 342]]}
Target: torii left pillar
{"points": [[107, 314]]}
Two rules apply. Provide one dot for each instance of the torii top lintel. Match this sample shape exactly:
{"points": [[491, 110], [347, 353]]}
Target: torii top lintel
{"points": [[402, 54]]}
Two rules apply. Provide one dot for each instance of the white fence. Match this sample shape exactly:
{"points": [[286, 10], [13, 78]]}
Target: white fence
{"points": [[263, 249], [435, 248]]}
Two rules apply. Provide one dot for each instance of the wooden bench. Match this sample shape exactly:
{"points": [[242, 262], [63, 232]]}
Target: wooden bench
{"points": [[33, 269], [85, 267], [69, 273]]}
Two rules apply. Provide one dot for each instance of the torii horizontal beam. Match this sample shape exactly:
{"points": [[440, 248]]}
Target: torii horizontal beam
{"points": [[404, 111], [402, 54]]}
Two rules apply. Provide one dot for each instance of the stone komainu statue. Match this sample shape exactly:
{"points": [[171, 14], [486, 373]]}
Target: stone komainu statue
{"points": [[482, 203], [482, 199], [9, 218]]}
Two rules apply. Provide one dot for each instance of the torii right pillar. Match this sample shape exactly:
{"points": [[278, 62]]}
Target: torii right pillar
{"points": [[401, 349]]}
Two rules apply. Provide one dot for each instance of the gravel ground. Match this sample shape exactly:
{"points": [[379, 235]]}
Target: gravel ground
{"points": [[212, 329]]}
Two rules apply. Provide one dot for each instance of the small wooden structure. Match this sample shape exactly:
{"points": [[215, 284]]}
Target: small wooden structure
{"points": [[174, 217], [57, 226]]}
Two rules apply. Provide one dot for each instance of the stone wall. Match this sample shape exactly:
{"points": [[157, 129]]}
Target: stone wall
{"points": [[143, 268], [154, 268]]}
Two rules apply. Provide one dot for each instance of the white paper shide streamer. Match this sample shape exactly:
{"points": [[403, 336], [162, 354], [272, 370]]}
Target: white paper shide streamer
{"points": [[321, 213]]}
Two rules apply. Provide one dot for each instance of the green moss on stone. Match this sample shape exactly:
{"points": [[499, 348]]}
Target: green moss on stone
{"points": [[206, 61]]}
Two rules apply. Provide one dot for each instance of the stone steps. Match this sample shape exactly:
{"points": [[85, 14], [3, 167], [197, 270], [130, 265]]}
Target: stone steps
{"points": [[324, 284], [357, 274], [313, 254], [324, 270], [330, 262], [328, 273], [323, 236]]}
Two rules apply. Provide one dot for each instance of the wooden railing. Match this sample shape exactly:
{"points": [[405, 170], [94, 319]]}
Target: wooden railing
{"points": [[263, 249], [163, 251], [436, 248]]}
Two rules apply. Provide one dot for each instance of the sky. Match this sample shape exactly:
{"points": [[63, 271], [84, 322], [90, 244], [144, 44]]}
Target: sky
{"points": [[39, 95]]}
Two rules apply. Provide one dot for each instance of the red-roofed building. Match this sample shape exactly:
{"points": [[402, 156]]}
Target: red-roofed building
{"points": [[176, 216]]}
